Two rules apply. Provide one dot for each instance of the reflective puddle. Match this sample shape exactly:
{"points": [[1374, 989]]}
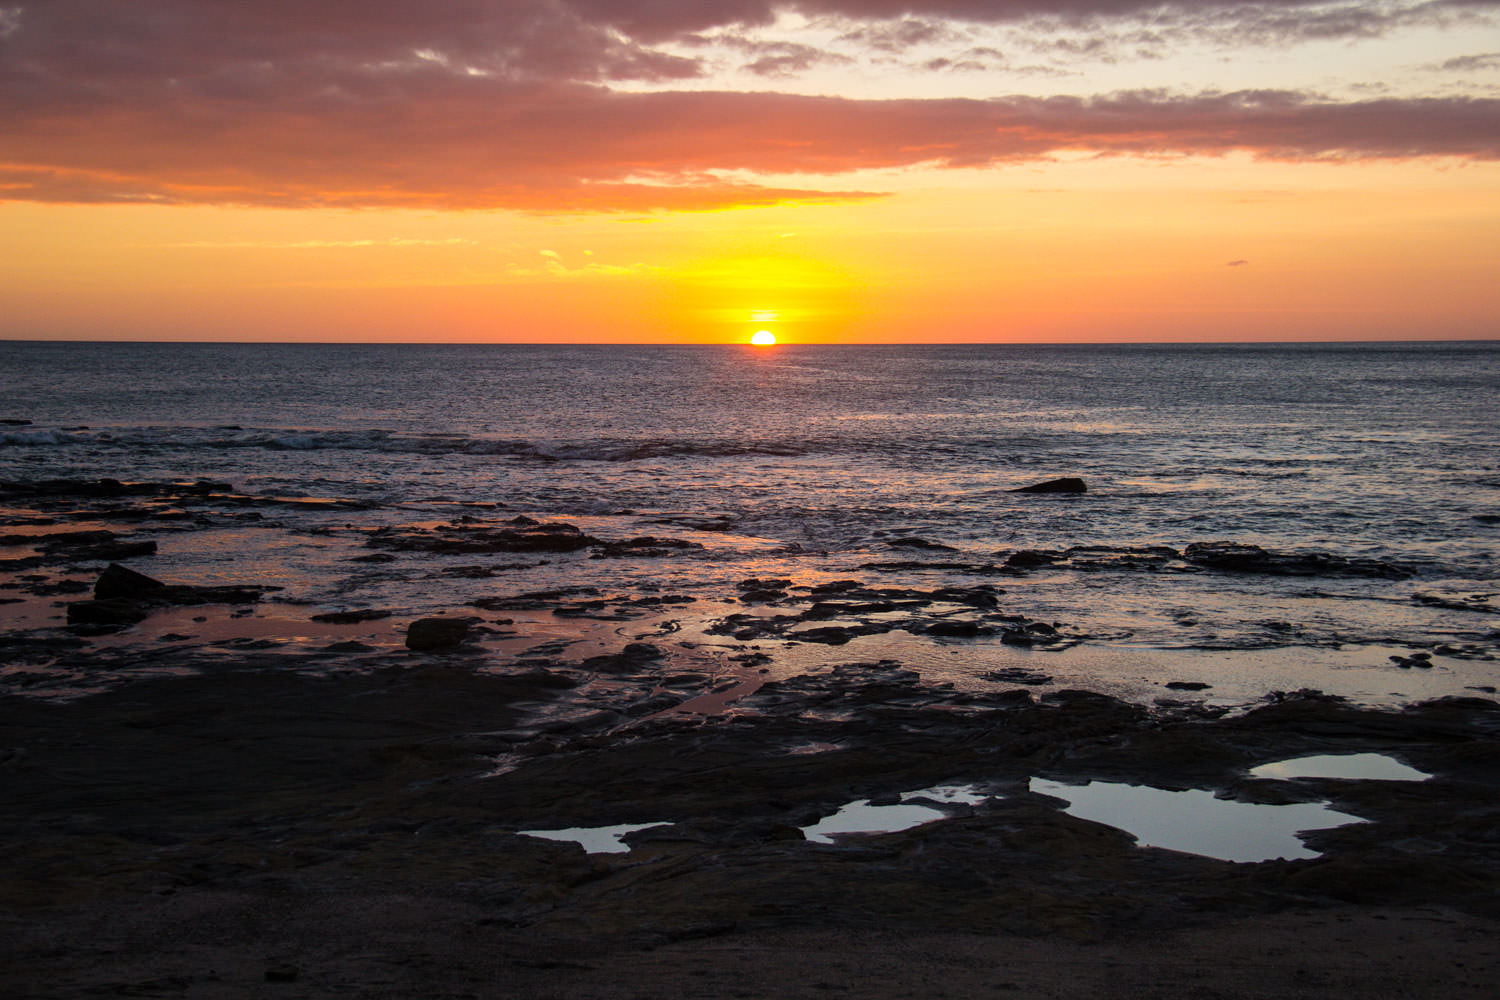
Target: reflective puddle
{"points": [[860, 817], [594, 839], [1195, 821], [1353, 766]]}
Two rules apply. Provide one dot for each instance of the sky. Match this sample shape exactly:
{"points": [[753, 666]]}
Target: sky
{"points": [[665, 171]]}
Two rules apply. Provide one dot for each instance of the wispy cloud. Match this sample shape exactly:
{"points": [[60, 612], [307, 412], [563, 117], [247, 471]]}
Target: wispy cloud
{"points": [[395, 241]]}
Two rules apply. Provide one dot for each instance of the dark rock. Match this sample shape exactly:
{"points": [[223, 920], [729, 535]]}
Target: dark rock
{"points": [[835, 587], [959, 629], [1238, 557], [1477, 603], [1016, 637], [982, 596], [527, 536], [281, 974], [119, 582], [350, 617], [109, 611], [824, 610], [918, 543], [436, 633], [1068, 484], [1188, 686], [1018, 675], [644, 546], [1032, 558], [979, 569], [641, 651], [543, 678], [350, 646], [768, 584]]}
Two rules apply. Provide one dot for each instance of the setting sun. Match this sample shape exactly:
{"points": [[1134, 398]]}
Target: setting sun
{"points": [[763, 338]]}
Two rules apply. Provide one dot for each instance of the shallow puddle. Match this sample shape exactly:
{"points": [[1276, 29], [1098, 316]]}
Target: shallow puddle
{"points": [[1196, 822], [1351, 766], [594, 839], [861, 817]]}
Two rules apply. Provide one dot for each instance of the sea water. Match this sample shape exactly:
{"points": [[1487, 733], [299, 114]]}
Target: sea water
{"points": [[1378, 462]]}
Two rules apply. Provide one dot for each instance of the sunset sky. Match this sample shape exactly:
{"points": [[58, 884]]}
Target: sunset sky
{"points": [[673, 171]]}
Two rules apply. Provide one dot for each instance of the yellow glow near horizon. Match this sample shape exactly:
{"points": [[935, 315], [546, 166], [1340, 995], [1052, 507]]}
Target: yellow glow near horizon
{"points": [[1067, 252], [763, 338]]}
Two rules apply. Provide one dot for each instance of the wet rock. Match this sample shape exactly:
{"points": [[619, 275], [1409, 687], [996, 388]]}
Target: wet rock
{"points": [[1018, 675], [629, 660], [766, 584], [975, 569], [982, 596], [350, 617], [643, 547], [114, 611], [698, 522], [824, 610], [1239, 557], [919, 543], [1474, 602], [1065, 485], [959, 629], [1032, 558], [426, 634], [533, 600], [120, 583], [838, 635], [514, 536]]}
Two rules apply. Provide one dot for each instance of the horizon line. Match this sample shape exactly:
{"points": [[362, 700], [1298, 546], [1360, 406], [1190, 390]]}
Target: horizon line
{"points": [[1495, 339]]}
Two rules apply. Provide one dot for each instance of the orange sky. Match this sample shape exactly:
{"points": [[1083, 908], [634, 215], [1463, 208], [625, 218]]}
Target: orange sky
{"points": [[381, 172]]}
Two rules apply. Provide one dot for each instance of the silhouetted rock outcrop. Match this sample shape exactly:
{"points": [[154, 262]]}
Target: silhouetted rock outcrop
{"points": [[1068, 484]]}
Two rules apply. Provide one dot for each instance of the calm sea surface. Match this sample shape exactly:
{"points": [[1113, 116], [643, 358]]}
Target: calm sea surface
{"points": [[815, 460]]}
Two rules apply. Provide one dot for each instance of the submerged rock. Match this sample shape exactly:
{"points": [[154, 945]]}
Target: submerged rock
{"points": [[1067, 484]]}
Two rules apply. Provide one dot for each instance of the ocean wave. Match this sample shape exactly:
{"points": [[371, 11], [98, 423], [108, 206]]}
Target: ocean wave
{"points": [[395, 442], [34, 439]]}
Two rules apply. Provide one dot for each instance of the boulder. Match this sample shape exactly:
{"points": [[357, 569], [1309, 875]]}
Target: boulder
{"points": [[119, 582], [1068, 484], [426, 634]]}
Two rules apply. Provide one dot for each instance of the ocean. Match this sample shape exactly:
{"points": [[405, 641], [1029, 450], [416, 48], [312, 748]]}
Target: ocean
{"points": [[1367, 476]]}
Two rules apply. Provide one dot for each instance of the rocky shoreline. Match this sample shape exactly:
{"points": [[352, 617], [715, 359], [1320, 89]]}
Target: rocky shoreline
{"points": [[235, 815]]}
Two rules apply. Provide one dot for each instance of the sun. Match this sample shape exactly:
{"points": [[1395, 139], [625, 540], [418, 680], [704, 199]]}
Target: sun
{"points": [[763, 338]]}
